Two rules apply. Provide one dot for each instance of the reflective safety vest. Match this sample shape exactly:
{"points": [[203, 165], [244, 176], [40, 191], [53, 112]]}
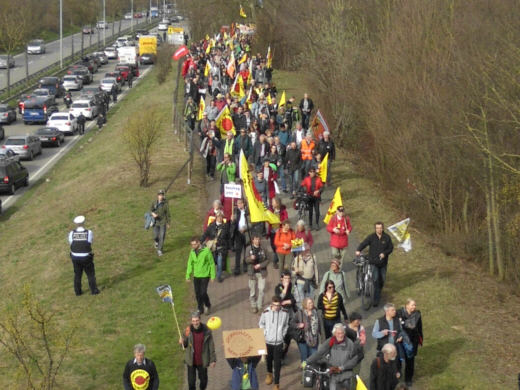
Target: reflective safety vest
{"points": [[306, 149]]}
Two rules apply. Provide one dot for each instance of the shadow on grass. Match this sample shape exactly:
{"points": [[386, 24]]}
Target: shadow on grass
{"points": [[438, 355], [8, 213], [408, 279], [344, 174]]}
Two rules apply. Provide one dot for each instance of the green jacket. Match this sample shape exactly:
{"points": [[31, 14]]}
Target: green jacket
{"points": [[202, 265], [163, 212], [208, 347], [190, 111], [229, 171]]}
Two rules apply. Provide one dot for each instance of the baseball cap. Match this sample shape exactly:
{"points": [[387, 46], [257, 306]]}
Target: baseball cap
{"points": [[160, 192]]}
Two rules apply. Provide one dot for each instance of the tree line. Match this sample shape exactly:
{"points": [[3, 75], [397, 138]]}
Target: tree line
{"points": [[424, 94]]}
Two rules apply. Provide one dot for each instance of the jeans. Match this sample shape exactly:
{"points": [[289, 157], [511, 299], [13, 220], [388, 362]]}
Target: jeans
{"points": [[201, 293], [80, 264], [159, 234], [260, 281], [295, 181], [335, 384], [301, 295], [306, 351], [220, 260], [328, 325], [274, 357], [281, 175], [379, 275], [192, 377]]}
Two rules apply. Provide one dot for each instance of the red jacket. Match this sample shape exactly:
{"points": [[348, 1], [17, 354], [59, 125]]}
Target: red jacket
{"points": [[307, 184], [340, 240], [306, 235]]}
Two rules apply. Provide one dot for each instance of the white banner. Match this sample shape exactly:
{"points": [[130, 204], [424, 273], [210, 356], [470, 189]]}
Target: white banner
{"points": [[233, 191]]}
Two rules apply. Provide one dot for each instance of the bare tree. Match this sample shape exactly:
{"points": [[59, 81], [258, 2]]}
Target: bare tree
{"points": [[29, 332], [15, 28], [142, 134]]}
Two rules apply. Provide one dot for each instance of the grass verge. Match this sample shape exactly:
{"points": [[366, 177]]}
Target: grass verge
{"points": [[99, 180], [470, 320]]}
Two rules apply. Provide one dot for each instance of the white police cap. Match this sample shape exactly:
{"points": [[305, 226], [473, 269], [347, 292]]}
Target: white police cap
{"points": [[79, 219]]}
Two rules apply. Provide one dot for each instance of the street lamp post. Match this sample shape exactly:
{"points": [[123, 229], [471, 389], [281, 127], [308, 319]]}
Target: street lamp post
{"points": [[61, 34], [104, 24], [132, 12]]}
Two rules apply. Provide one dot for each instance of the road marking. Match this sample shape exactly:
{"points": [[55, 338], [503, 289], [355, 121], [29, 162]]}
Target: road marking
{"points": [[30, 62]]}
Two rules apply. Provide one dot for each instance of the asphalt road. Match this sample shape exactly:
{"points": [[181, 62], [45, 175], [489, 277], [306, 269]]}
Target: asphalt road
{"points": [[52, 55], [50, 155]]}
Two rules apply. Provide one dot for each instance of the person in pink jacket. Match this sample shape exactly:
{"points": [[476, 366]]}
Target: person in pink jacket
{"points": [[339, 228]]}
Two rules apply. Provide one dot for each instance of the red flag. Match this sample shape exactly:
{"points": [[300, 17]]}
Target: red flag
{"points": [[180, 52]]}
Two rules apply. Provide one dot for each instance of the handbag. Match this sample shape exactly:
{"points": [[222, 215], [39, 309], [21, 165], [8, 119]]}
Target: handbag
{"points": [[211, 245]]}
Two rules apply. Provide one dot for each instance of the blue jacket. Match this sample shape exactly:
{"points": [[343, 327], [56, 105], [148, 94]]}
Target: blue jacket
{"points": [[238, 371]]}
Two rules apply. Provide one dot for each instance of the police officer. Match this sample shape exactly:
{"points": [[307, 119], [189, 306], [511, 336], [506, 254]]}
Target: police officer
{"points": [[100, 121], [81, 123], [80, 240], [130, 79]]}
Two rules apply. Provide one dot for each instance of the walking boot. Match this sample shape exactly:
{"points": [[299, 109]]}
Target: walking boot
{"points": [[269, 379], [276, 387]]}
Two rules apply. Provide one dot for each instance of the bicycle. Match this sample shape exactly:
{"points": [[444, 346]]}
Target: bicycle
{"points": [[364, 281], [302, 205], [315, 378]]}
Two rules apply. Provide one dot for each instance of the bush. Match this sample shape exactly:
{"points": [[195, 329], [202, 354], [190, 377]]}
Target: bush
{"points": [[164, 62]]}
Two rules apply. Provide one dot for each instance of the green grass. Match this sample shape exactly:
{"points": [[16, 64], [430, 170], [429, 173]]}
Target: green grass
{"points": [[470, 320], [99, 180]]}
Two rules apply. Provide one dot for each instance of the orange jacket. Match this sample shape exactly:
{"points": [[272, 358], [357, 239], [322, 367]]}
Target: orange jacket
{"points": [[281, 238], [307, 149]]}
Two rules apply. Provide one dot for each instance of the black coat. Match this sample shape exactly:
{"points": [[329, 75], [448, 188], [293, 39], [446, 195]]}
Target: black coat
{"points": [[220, 232], [377, 246], [383, 374]]}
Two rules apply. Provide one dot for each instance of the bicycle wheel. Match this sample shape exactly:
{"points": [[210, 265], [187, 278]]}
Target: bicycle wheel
{"points": [[368, 293]]}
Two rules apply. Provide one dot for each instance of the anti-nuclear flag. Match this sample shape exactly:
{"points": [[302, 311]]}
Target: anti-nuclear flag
{"points": [[242, 59], [242, 12], [257, 209], [165, 292], [322, 168], [319, 126], [237, 89], [360, 385], [282, 100], [334, 204], [202, 107], [268, 98], [207, 69], [224, 122], [269, 63], [400, 231]]}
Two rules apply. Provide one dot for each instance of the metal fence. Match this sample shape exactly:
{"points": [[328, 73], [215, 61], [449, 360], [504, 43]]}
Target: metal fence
{"points": [[29, 83]]}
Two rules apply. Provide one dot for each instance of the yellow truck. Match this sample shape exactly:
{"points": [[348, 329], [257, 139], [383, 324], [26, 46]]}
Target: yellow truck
{"points": [[147, 49]]}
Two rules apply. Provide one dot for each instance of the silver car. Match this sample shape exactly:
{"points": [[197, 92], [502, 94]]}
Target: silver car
{"points": [[111, 53], [64, 122], [26, 146], [85, 106], [72, 82], [36, 47], [108, 83], [3, 62]]}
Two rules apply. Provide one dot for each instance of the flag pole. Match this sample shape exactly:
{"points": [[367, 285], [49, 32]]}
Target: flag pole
{"points": [[177, 322]]}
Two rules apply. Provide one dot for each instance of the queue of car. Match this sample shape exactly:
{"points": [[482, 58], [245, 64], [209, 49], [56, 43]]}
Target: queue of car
{"points": [[41, 106]]}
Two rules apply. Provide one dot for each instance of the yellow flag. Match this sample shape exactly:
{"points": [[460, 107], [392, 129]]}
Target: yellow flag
{"points": [[225, 36], [243, 59], [224, 122], [334, 204], [269, 100], [400, 231], [242, 12], [322, 168], [207, 69], [269, 63], [282, 100], [257, 209], [360, 385], [202, 107]]}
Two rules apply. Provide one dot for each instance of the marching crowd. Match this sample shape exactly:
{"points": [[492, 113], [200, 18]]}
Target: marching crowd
{"points": [[285, 152]]}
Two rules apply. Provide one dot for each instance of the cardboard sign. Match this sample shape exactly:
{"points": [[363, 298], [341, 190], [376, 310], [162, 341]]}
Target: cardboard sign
{"points": [[233, 191], [244, 342]]}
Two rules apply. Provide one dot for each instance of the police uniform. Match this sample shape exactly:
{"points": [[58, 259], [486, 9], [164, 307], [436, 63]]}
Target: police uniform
{"points": [[80, 240]]}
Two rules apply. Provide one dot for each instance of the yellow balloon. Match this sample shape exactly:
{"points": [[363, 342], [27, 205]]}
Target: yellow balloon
{"points": [[214, 323]]}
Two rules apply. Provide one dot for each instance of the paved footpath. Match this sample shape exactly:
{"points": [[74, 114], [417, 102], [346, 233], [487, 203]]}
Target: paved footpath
{"points": [[230, 301]]}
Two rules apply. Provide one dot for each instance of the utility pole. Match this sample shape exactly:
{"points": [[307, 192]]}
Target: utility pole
{"points": [[61, 34], [104, 24], [132, 12]]}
